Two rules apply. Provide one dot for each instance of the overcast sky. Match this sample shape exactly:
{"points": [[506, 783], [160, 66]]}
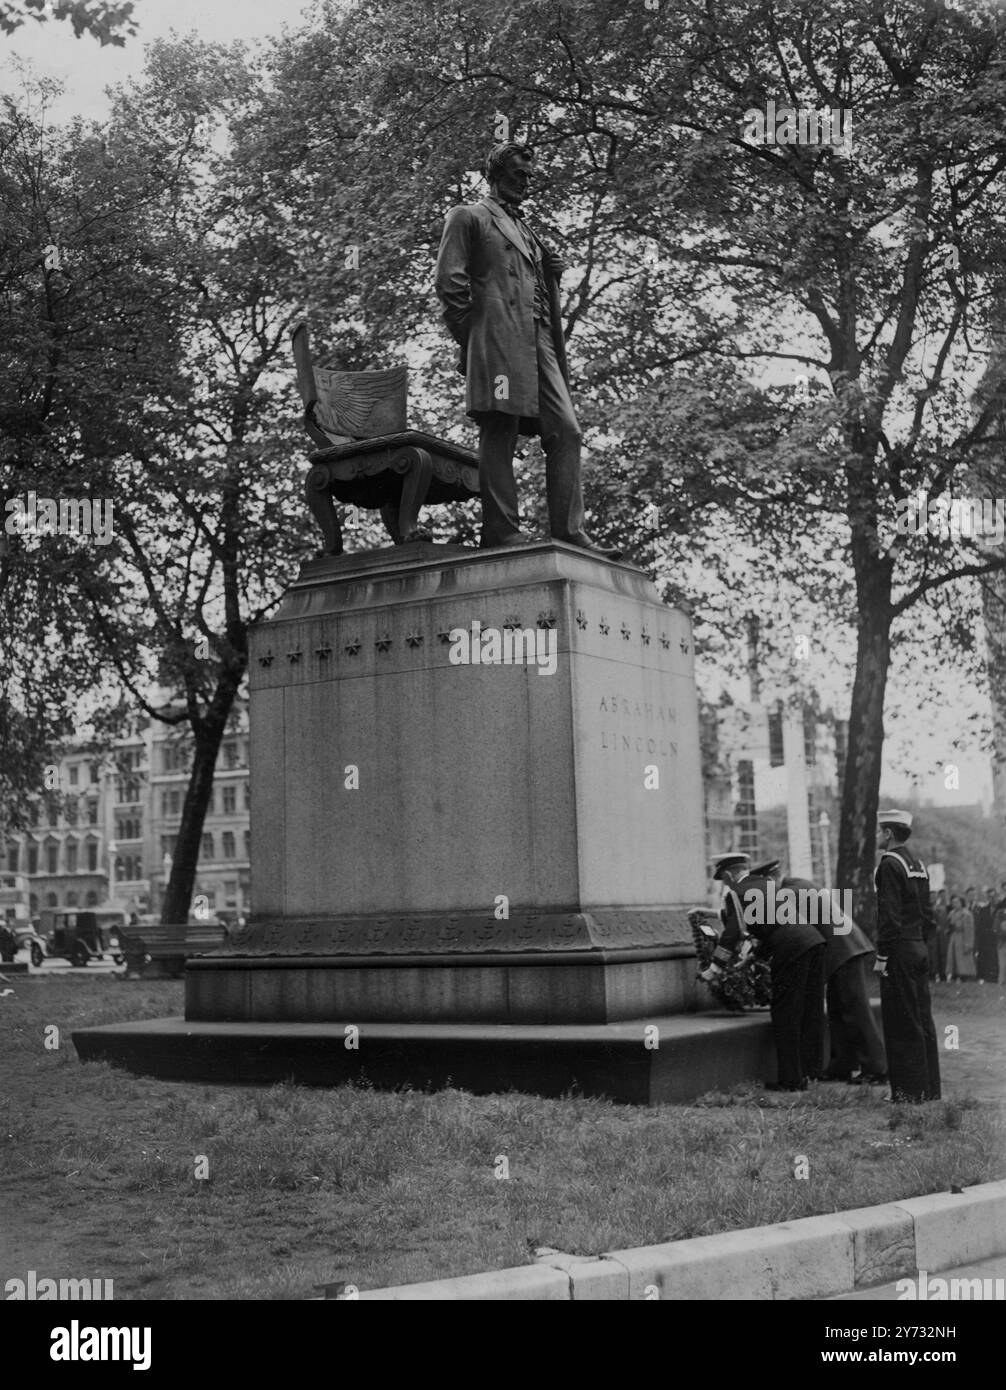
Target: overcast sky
{"points": [[86, 69]]}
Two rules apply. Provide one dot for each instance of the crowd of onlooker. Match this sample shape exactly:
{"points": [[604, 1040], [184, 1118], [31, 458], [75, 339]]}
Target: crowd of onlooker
{"points": [[970, 938]]}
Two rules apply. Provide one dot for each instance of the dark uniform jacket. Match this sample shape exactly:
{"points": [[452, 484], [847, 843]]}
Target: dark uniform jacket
{"points": [[841, 946], [782, 944], [485, 279], [904, 912]]}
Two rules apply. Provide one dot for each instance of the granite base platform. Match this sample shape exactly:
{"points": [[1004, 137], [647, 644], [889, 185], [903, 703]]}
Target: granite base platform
{"points": [[548, 987], [686, 1056]]}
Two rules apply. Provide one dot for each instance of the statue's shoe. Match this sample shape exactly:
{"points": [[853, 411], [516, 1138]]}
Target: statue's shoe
{"points": [[583, 542], [507, 543]]}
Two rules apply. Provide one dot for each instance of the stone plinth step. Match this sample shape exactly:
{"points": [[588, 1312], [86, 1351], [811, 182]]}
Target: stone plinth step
{"points": [[640, 1061]]}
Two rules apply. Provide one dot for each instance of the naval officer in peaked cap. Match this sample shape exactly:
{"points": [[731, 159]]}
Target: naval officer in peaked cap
{"points": [[728, 869]]}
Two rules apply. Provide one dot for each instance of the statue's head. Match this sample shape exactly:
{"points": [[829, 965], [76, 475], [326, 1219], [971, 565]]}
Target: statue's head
{"points": [[508, 170]]}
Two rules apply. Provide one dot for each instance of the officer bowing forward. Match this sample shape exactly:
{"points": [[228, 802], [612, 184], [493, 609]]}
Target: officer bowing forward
{"points": [[795, 952]]}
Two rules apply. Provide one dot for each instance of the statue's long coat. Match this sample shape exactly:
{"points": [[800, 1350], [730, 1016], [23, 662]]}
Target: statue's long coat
{"points": [[485, 281]]}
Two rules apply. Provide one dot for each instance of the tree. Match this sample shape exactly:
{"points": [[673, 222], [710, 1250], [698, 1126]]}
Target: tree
{"points": [[155, 383], [72, 366], [108, 23], [209, 509], [872, 271]]}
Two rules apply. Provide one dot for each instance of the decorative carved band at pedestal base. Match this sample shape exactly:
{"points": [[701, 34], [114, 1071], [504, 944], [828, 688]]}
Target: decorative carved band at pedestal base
{"points": [[540, 987], [436, 933]]}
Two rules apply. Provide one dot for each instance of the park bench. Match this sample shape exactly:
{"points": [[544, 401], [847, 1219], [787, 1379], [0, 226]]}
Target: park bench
{"points": [[159, 951], [369, 458]]}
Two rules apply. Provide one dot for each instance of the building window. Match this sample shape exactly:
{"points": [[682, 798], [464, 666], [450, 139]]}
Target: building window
{"points": [[175, 757], [32, 857], [52, 856], [129, 868], [72, 899], [95, 774], [92, 813], [51, 900], [92, 856], [74, 774], [92, 898], [230, 754], [129, 828], [168, 843], [70, 810], [127, 789], [248, 796], [208, 846], [809, 737], [230, 800], [230, 893], [71, 856], [745, 810], [171, 802], [776, 757], [52, 813], [12, 858], [229, 848], [248, 844]]}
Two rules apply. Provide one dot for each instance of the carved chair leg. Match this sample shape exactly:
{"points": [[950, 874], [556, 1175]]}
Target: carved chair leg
{"points": [[415, 486], [389, 515], [319, 499]]}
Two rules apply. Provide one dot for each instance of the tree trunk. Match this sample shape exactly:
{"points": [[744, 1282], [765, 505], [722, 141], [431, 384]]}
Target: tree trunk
{"points": [[994, 610], [185, 860], [992, 470], [861, 788]]}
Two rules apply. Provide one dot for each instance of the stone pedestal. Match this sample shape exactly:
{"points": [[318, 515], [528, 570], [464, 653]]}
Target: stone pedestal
{"points": [[489, 843]]}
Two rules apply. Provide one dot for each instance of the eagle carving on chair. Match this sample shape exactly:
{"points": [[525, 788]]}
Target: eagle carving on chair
{"points": [[360, 405], [340, 407]]}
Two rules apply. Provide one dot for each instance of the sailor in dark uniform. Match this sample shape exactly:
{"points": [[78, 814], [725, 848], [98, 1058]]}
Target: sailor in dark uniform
{"points": [[795, 953], [856, 1045], [904, 919]]}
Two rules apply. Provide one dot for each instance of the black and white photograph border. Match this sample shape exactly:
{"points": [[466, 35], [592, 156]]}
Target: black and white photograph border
{"points": [[503, 659]]}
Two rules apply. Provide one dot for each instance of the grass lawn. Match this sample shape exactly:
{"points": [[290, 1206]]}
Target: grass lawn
{"points": [[307, 1187]]}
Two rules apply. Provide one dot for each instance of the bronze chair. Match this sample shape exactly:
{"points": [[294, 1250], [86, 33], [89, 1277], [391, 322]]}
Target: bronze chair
{"points": [[369, 458]]}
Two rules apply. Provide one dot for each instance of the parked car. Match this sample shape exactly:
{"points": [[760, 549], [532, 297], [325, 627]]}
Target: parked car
{"points": [[79, 937], [28, 939]]}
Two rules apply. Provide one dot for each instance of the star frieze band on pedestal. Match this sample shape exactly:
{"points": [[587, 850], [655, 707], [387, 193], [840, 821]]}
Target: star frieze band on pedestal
{"points": [[414, 638]]}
